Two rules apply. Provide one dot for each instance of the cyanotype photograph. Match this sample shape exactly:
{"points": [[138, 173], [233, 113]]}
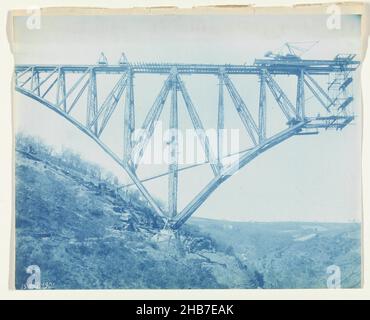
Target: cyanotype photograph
{"points": [[187, 149]]}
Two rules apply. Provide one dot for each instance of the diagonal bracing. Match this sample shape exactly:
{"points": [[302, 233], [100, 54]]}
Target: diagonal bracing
{"points": [[46, 84]]}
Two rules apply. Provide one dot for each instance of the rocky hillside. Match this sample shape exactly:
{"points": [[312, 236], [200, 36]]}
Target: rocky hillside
{"points": [[77, 224], [84, 234]]}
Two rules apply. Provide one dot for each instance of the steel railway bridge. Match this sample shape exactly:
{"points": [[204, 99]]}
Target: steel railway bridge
{"points": [[47, 85]]}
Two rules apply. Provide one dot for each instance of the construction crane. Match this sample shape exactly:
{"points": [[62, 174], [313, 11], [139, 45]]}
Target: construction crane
{"points": [[291, 50]]}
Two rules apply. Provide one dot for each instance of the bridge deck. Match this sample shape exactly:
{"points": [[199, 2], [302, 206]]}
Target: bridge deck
{"points": [[274, 66]]}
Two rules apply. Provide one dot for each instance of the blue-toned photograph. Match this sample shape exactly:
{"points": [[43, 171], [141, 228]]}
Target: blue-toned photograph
{"points": [[187, 150]]}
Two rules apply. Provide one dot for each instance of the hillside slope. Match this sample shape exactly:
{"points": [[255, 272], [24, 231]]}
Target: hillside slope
{"points": [[84, 236], [83, 230]]}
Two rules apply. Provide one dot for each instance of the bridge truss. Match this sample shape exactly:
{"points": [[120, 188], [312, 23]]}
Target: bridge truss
{"points": [[47, 85]]}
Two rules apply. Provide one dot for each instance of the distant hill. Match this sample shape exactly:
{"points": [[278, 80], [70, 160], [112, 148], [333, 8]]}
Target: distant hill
{"points": [[292, 254]]}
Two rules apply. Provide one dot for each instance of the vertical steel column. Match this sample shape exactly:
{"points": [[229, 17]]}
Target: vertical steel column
{"points": [[220, 119], [92, 103], [262, 108], [61, 89], [37, 80], [173, 163], [300, 108], [129, 117], [32, 78]]}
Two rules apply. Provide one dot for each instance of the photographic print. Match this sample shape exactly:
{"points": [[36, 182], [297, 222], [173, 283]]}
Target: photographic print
{"points": [[204, 148]]}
